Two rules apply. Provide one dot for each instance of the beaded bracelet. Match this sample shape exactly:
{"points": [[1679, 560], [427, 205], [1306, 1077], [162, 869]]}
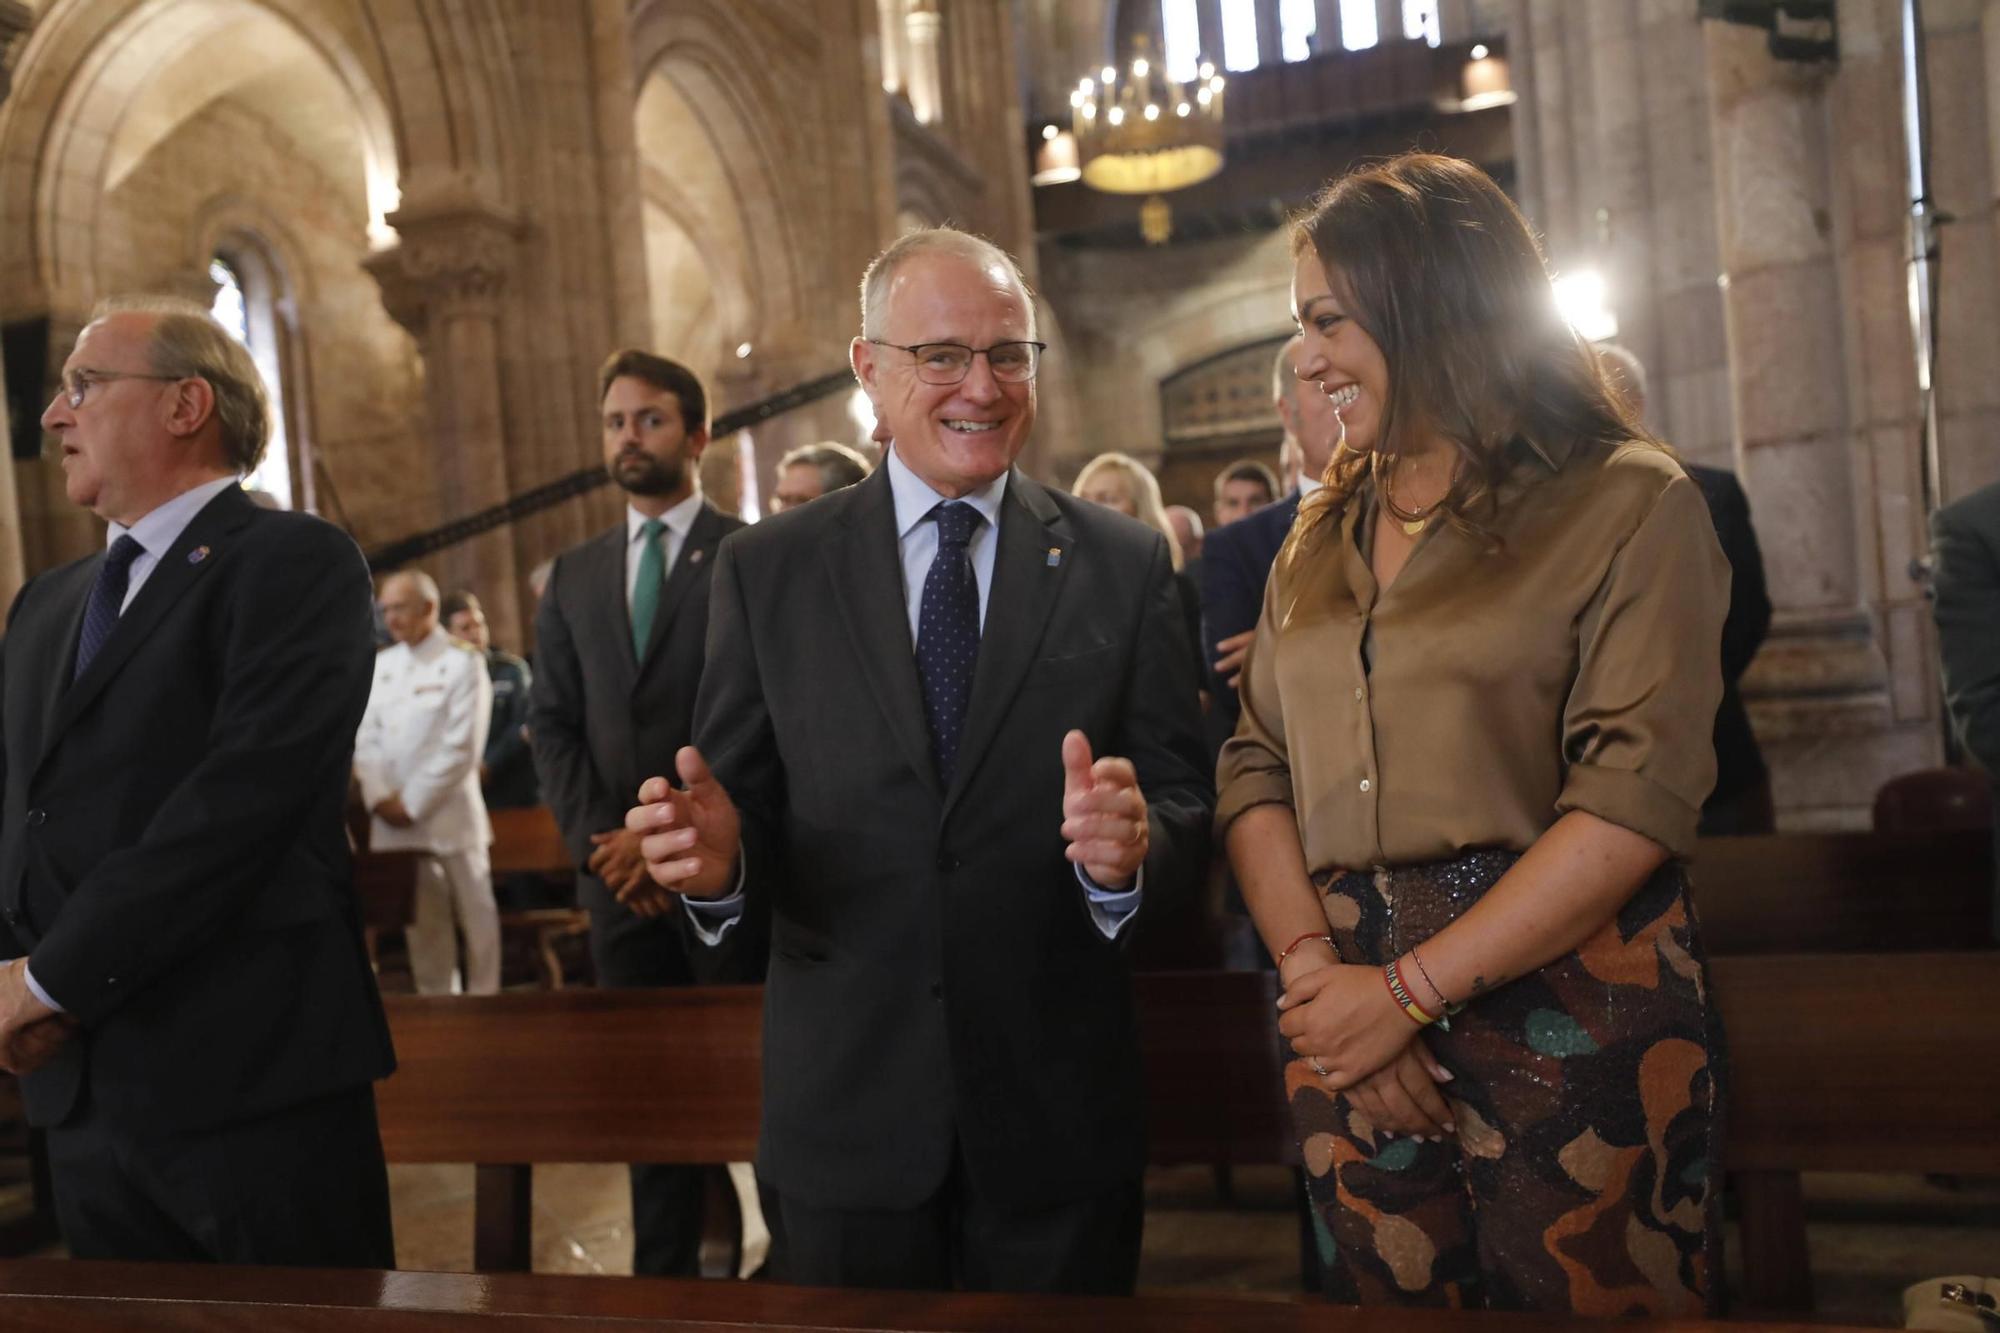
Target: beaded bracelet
{"points": [[1392, 977], [1309, 935], [1449, 1007]]}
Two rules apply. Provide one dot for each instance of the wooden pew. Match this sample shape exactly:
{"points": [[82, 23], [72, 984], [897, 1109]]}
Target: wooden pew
{"points": [[74, 1296], [1851, 1063], [1844, 892], [527, 842], [1873, 1063]]}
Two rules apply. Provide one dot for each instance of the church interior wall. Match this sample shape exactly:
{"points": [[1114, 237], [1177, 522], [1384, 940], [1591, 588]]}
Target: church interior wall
{"points": [[471, 203]]}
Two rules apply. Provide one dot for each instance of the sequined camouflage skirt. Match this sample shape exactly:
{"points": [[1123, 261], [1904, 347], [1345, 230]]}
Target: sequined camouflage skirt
{"points": [[1585, 1174]]}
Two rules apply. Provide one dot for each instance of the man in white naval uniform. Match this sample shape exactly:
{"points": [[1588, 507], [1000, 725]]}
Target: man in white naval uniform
{"points": [[417, 757]]}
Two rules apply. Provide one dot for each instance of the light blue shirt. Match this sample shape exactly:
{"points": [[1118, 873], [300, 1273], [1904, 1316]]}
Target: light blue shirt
{"points": [[917, 543], [156, 533]]}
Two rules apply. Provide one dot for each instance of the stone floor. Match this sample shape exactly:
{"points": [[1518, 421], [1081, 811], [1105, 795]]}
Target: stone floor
{"points": [[1871, 1235]]}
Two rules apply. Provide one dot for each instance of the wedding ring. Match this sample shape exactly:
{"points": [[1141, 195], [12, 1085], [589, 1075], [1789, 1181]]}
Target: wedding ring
{"points": [[1318, 1068]]}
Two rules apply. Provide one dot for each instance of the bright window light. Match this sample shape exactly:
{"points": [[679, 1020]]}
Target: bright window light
{"points": [[1182, 33], [1239, 34], [1581, 297], [1420, 20], [1357, 24], [1296, 24]]}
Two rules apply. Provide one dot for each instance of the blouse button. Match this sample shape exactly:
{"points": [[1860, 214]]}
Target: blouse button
{"points": [[1359, 694], [1364, 784]]}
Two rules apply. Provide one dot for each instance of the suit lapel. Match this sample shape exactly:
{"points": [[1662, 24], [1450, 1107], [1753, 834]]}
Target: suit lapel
{"points": [[1029, 568], [867, 577], [697, 551], [58, 657], [201, 547], [604, 585]]}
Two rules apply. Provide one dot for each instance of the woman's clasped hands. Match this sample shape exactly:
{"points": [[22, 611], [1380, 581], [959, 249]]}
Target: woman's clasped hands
{"points": [[1343, 1021]]}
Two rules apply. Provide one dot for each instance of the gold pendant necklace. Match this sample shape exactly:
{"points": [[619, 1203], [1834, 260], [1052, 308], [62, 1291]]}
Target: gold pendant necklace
{"points": [[1412, 521]]}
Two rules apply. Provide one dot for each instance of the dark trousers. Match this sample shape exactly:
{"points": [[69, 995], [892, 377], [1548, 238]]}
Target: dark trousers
{"points": [[630, 951], [959, 1238], [301, 1187]]}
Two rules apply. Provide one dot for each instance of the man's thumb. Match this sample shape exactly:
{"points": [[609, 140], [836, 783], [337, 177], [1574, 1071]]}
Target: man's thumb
{"points": [[1076, 760]]}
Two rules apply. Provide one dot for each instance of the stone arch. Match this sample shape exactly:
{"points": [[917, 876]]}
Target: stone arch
{"points": [[730, 65], [84, 69]]}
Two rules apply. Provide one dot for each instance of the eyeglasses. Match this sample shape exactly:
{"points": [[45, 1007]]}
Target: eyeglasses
{"points": [[76, 384], [948, 363]]}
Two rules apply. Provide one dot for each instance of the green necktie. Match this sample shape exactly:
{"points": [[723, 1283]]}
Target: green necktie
{"points": [[652, 577]]}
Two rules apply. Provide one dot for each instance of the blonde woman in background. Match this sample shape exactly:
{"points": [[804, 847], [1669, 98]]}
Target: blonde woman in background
{"points": [[1120, 481]]}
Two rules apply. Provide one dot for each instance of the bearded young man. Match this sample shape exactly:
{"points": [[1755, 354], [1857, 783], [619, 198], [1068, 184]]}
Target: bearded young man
{"points": [[618, 657]]}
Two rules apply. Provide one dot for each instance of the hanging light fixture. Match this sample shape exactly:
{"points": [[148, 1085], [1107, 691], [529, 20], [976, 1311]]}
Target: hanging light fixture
{"points": [[1139, 132]]}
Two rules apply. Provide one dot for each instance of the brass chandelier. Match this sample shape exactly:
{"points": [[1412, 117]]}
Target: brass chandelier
{"points": [[1139, 132]]}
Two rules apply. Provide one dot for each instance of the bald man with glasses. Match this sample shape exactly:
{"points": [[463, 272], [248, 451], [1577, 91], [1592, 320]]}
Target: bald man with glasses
{"points": [[947, 743]]}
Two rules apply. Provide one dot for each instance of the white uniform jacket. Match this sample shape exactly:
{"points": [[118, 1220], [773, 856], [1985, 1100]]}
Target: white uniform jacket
{"points": [[421, 739]]}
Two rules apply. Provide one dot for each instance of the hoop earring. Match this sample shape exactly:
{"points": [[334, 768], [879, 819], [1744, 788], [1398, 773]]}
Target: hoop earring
{"points": [[1341, 442]]}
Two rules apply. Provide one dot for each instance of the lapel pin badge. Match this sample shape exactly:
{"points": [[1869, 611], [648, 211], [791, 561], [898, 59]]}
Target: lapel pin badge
{"points": [[694, 556], [197, 555], [1055, 556]]}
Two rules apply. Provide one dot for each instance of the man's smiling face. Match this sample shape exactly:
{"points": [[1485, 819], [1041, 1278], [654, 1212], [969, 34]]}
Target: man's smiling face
{"points": [[956, 437]]}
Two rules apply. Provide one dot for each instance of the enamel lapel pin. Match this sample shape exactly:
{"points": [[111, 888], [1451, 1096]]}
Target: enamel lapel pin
{"points": [[1055, 556], [197, 555]]}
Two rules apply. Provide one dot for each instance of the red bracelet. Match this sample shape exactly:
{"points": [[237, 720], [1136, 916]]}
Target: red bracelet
{"points": [[1309, 935]]}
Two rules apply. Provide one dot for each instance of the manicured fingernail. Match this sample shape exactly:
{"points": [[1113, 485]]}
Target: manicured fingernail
{"points": [[1445, 1075], [1450, 1128]]}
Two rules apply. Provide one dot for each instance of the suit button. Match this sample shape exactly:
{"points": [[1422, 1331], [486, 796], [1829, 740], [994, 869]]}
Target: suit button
{"points": [[36, 818], [13, 917], [946, 863], [937, 990]]}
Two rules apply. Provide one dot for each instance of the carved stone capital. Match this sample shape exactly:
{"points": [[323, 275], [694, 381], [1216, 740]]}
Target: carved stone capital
{"points": [[451, 259]]}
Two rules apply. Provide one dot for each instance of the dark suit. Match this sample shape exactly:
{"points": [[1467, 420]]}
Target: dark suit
{"points": [[1236, 563], [940, 1002], [510, 765], [174, 863], [604, 719], [1741, 800], [1965, 582]]}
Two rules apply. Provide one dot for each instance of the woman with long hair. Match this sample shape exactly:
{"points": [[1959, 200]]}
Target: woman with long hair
{"points": [[1475, 740]]}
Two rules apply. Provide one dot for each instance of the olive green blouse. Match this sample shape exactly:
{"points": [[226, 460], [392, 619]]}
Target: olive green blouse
{"points": [[1575, 666]]}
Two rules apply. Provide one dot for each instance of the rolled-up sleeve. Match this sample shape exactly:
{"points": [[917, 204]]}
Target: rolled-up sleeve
{"points": [[1255, 767], [1637, 726]]}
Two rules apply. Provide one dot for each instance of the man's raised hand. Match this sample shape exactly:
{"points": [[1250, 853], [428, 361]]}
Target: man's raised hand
{"points": [[689, 837], [1104, 814]]}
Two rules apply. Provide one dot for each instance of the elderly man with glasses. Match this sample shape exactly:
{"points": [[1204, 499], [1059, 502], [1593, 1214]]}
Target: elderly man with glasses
{"points": [[190, 1007], [947, 743]]}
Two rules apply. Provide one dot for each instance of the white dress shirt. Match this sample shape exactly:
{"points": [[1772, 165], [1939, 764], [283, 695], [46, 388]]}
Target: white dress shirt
{"points": [[678, 520], [158, 531], [917, 543]]}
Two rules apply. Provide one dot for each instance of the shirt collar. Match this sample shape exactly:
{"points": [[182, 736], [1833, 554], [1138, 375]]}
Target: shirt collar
{"points": [[431, 644], [678, 519], [915, 499], [163, 527]]}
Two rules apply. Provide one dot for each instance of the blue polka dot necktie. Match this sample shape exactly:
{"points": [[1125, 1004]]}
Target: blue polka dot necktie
{"points": [[948, 632], [107, 599]]}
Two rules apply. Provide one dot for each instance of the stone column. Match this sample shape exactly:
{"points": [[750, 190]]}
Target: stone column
{"points": [[1326, 26], [15, 19], [1818, 692], [1270, 34], [443, 281]]}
